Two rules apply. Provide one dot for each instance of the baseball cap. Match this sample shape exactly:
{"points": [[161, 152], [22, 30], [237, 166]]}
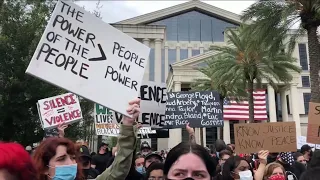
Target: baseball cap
{"points": [[28, 148], [84, 151], [153, 154], [145, 145]]}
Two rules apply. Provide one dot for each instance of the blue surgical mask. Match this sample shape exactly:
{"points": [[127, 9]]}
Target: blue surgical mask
{"points": [[65, 172], [140, 170]]}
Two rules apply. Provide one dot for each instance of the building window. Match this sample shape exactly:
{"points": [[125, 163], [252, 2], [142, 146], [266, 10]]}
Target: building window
{"points": [[151, 65], [194, 26], [163, 70], [288, 104], [172, 56], [195, 52], [305, 81], [183, 54], [306, 100], [303, 56]]}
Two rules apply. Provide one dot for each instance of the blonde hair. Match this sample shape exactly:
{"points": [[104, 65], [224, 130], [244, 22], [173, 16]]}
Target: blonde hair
{"points": [[270, 168]]}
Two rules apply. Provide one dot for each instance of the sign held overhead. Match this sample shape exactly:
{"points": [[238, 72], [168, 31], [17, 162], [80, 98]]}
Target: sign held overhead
{"points": [[84, 55], [58, 109], [275, 137]]}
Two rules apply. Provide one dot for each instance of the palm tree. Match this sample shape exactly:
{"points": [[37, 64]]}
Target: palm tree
{"points": [[226, 89], [246, 61], [275, 19]]}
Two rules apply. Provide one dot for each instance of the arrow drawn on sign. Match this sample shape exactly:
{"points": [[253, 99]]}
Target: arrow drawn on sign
{"points": [[103, 56]]}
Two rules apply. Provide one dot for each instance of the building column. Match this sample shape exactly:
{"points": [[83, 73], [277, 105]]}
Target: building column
{"points": [[201, 48], [226, 132], [166, 60], [284, 107], [218, 132], [204, 130], [295, 107], [197, 135], [178, 52], [272, 104], [189, 51], [157, 59], [175, 135], [146, 71]]}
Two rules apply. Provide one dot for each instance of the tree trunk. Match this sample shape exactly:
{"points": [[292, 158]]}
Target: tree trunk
{"points": [[250, 101], [314, 60]]}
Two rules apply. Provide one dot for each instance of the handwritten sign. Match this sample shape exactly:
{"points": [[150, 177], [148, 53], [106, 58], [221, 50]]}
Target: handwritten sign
{"points": [[58, 109], [275, 137], [107, 122], [200, 109], [84, 55], [313, 133], [153, 103], [302, 140]]}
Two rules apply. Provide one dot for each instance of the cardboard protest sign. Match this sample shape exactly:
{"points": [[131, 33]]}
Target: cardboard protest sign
{"points": [[55, 110], [84, 55], [200, 109], [313, 133], [275, 137]]}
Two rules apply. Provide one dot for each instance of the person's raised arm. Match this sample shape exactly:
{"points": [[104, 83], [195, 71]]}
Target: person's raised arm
{"points": [[263, 155], [190, 131], [127, 140], [61, 129]]}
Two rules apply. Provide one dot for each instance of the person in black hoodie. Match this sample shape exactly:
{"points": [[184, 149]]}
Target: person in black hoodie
{"points": [[293, 169], [133, 173], [85, 159]]}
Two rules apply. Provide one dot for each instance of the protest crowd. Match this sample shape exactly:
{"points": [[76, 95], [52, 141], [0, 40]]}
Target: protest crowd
{"points": [[60, 158]]}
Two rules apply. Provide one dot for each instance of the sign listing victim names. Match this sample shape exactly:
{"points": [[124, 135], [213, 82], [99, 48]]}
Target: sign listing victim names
{"points": [[84, 55], [200, 109]]}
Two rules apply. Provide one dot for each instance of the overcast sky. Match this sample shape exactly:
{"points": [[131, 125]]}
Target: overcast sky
{"points": [[114, 11]]}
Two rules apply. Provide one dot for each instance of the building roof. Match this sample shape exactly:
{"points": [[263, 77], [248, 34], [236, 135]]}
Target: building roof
{"points": [[182, 8]]}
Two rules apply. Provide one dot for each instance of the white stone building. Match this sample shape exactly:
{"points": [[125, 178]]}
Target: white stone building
{"points": [[179, 38]]}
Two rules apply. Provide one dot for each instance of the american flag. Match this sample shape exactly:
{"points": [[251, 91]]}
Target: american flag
{"points": [[233, 110]]}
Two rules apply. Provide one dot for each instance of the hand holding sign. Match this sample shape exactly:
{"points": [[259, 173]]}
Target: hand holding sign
{"points": [[133, 110], [61, 129], [263, 155]]}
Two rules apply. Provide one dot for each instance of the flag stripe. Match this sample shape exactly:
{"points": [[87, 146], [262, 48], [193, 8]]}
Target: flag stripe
{"points": [[239, 110]]}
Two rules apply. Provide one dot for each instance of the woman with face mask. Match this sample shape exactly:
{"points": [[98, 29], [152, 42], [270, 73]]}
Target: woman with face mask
{"points": [[189, 161], [57, 158], [236, 168]]}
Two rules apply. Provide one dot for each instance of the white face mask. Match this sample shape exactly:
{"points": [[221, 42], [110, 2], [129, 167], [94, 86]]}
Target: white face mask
{"points": [[245, 175], [115, 154]]}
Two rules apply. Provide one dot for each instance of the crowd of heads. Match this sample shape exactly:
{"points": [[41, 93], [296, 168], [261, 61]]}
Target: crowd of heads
{"points": [[55, 156]]}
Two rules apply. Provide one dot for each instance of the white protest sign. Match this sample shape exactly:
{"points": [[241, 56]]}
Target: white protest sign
{"points": [[55, 110], [153, 104], [107, 124], [302, 140], [84, 55]]}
